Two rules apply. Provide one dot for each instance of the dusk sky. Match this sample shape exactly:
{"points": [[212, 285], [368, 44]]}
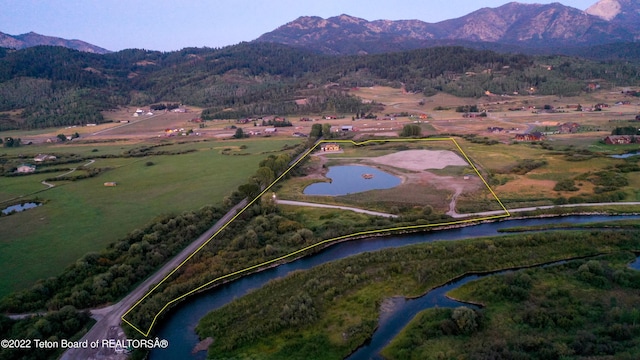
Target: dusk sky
{"points": [[172, 25]]}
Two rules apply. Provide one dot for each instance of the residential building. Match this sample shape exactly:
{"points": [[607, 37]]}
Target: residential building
{"points": [[618, 139], [569, 128], [26, 168], [534, 136], [330, 147], [43, 157]]}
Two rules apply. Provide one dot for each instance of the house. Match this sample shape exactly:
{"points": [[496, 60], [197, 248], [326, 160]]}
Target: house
{"points": [[270, 130], [618, 139], [495, 130], [346, 128], [330, 147], [43, 157], [26, 168], [569, 128], [534, 136]]}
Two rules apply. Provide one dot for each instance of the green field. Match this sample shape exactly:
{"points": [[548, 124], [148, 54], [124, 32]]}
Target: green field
{"points": [[518, 187], [83, 216]]}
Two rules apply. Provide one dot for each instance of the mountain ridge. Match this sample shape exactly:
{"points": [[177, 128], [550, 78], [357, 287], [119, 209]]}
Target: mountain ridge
{"points": [[527, 25], [31, 39]]}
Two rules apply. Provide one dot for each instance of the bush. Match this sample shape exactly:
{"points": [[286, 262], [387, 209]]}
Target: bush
{"points": [[411, 130], [565, 185], [466, 319]]}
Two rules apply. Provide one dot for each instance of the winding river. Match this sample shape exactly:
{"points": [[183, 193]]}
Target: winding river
{"points": [[179, 324]]}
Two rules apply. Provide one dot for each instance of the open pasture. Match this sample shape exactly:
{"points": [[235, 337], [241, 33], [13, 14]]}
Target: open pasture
{"points": [[518, 186], [84, 215]]}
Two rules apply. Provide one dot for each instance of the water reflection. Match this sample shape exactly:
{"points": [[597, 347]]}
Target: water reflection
{"points": [[351, 179], [20, 207]]}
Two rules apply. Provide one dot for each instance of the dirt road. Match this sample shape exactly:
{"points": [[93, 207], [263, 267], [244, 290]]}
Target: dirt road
{"points": [[500, 212], [109, 318], [358, 210]]}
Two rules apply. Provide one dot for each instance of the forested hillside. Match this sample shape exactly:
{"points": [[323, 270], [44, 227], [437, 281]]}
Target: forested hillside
{"points": [[54, 86]]}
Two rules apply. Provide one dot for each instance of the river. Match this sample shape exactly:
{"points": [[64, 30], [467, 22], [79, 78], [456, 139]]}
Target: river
{"points": [[178, 326]]}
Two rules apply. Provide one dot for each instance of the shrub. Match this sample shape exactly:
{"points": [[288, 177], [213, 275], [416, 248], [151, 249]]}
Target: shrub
{"points": [[565, 185]]}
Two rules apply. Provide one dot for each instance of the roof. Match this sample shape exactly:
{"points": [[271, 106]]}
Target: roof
{"points": [[43, 157]]}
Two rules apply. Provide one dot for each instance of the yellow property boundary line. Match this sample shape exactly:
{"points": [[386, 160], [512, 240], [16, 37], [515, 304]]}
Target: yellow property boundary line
{"points": [[270, 262]]}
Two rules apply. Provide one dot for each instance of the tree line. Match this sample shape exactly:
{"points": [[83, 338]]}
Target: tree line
{"points": [[57, 86]]}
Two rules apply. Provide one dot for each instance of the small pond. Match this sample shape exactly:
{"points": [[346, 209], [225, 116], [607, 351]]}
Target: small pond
{"points": [[627, 155], [20, 207], [351, 179], [636, 264]]}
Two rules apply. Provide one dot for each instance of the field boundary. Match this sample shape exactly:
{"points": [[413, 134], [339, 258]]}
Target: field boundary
{"points": [[319, 244]]}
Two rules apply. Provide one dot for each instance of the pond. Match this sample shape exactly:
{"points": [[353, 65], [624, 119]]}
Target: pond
{"points": [[627, 155], [20, 207], [351, 179]]}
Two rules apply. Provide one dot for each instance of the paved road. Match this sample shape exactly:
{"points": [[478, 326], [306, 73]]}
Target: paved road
{"points": [[109, 318], [301, 203]]}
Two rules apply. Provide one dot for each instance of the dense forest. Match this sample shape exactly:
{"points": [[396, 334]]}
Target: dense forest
{"points": [[53, 86]]}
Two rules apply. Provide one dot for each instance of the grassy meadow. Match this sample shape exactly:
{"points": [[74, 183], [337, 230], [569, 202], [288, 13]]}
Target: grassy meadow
{"points": [[518, 186], [83, 216]]}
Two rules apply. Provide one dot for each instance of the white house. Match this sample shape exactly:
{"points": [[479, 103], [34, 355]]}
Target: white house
{"points": [[26, 168]]}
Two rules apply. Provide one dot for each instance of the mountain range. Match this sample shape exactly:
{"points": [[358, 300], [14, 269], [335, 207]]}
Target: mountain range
{"points": [[31, 39], [512, 25]]}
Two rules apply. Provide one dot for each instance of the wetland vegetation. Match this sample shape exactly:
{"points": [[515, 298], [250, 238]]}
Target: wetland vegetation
{"points": [[580, 309], [330, 310]]}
